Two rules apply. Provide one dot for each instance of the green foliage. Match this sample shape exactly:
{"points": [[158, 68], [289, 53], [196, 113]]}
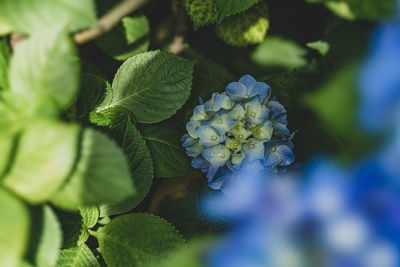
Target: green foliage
{"points": [[279, 52], [360, 9], [49, 239], [126, 40], [125, 240], [46, 154], [246, 28], [4, 62], [101, 175], [140, 164], [80, 256], [14, 225], [167, 153], [320, 46], [149, 98], [44, 68], [202, 12], [227, 8], [33, 16]]}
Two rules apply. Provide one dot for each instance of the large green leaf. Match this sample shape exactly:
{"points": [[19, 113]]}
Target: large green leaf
{"points": [[140, 163], [80, 256], [28, 16], [45, 67], [137, 240], [360, 9], [231, 7], [101, 175], [14, 225], [279, 52], [46, 154], [166, 151], [151, 86], [50, 238], [4, 63], [126, 40]]}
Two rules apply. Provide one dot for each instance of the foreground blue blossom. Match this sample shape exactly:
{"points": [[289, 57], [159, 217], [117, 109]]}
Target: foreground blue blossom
{"points": [[237, 127]]}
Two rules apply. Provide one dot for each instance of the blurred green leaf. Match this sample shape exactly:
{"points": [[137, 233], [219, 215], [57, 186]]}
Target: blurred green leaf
{"points": [[320, 46], [4, 28], [140, 164], [279, 52], [101, 175], [14, 225], [4, 63], [44, 67], [151, 86], [360, 9], [201, 12], [46, 154], [50, 239], [227, 8], [28, 16], [137, 240], [80, 256], [247, 28], [126, 40], [168, 155]]}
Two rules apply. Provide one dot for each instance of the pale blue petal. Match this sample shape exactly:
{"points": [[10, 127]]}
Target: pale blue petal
{"points": [[247, 80], [209, 136], [259, 89], [264, 131], [254, 149], [236, 90], [271, 159], [209, 106], [200, 163], [184, 137], [189, 141], [211, 172], [286, 154], [222, 179], [217, 155], [191, 128], [194, 150], [281, 130], [238, 112], [222, 124], [199, 113], [222, 101]]}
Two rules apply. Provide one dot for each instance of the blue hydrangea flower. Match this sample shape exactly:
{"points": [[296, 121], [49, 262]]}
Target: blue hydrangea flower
{"points": [[235, 128]]}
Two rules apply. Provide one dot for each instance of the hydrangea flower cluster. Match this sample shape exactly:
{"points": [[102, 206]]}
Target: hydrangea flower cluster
{"points": [[241, 125]]}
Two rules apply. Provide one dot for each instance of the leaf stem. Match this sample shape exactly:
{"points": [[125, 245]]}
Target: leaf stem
{"points": [[109, 20]]}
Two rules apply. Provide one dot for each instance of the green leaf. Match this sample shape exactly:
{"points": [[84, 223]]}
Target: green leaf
{"points": [[360, 9], [341, 118], [151, 86], [279, 52], [168, 155], [50, 239], [320, 46], [101, 175], [45, 67], [227, 8], [80, 256], [140, 164], [126, 40], [4, 28], [91, 94], [76, 226], [137, 240], [201, 12], [28, 16], [8, 144], [14, 225], [246, 28], [46, 154], [4, 63]]}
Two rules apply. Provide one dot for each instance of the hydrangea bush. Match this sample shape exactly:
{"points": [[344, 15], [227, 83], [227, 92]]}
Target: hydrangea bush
{"points": [[241, 125]]}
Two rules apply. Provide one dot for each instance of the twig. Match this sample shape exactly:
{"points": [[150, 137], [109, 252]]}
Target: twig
{"points": [[109, 20], [105, 23], [178, 45]]}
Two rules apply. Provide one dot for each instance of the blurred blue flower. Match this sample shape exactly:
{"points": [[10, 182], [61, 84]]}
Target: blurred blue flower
{"points": [[380, 80], [234, 128]]}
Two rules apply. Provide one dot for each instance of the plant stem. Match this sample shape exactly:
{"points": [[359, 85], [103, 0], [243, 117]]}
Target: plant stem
{"points": [[109, 20]]}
